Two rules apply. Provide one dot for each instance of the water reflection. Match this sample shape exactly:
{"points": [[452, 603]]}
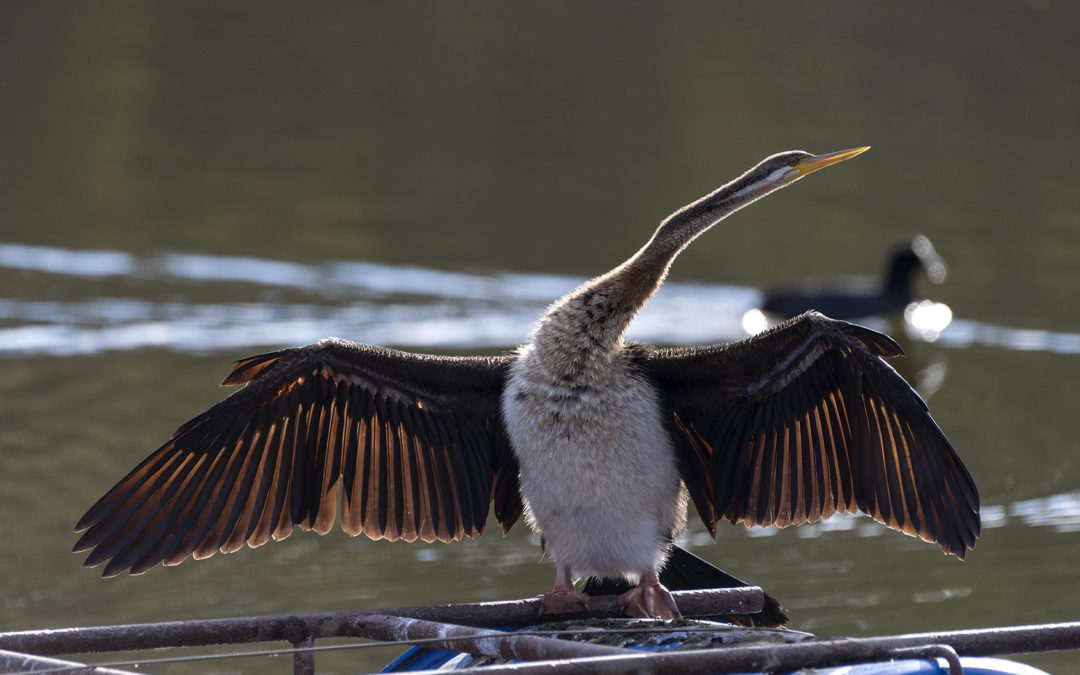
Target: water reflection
{"points": [[926, 320], [1061, 512], [382, 304], [965, 332], [63, 261]]}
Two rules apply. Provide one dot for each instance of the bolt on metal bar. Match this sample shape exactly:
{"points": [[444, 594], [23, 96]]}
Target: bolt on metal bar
{"points": [[297, 628]]}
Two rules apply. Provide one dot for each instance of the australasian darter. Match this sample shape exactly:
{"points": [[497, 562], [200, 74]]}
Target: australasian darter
{"points": [[600, 441]]}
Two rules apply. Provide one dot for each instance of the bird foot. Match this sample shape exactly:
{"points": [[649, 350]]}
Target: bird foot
{"points": [[649, 600], [564, 601]]}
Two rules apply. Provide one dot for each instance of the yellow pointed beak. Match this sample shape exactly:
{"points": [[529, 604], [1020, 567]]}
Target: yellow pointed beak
{"points": [[817, 162]]}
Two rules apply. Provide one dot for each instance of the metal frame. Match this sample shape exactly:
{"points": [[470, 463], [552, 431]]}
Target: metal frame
{"points": [[460, 628]]}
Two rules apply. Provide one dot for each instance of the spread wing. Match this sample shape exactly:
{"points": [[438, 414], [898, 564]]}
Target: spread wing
{"points": [[414, 444], [807, 420]]}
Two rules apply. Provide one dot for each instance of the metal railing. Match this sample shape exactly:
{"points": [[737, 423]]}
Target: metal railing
{"points": [[465, 628]]}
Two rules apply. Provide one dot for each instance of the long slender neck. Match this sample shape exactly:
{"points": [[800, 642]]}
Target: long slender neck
{"points": [[637, 279], [586, 326]]}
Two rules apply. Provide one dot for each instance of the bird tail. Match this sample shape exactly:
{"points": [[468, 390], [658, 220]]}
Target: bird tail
{"points": [[684, 571]]}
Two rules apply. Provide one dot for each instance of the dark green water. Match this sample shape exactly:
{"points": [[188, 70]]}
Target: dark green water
{"points": [[465, 150]]}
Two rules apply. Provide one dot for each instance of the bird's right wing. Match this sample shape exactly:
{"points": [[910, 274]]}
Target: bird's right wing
{"points": [[807, 420], [415, 443]]}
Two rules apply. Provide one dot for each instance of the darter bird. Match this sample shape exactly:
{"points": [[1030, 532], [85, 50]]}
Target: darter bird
{"points": [[599, 441]]}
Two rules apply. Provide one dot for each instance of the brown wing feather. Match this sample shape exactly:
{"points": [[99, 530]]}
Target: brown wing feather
{"points": [[411, 446], [805, 421]]}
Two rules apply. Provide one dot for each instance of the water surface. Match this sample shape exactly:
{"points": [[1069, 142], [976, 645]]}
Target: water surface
{"points": [[183, 185]]}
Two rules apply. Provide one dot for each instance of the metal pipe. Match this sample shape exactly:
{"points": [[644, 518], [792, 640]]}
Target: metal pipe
{"points": [[932, 652], [811, 654], [477, 641], [296, 628], [15, 662], [304, 657]]}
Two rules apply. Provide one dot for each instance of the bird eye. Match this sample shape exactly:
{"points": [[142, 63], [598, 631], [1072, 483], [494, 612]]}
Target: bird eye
{"points": [[792, 161]]}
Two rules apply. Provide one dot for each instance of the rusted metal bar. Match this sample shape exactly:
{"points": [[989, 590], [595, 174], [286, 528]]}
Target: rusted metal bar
{"points": [[810, 654], [15, 662], [477, 641], [295, 628], [513, 613]]}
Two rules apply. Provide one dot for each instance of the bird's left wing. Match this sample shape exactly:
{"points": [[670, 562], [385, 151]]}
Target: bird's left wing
{"points": [[411, 445], [807, 420]]}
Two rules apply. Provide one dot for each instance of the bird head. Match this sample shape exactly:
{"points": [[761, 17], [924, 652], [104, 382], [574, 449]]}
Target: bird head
{"points": [[788, 167], [777, 171]]}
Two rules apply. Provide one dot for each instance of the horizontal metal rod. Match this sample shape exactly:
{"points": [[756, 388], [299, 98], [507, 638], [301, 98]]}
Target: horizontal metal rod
{"points": [[15, 662], [477, 641], [811, 654], [296, 628]]}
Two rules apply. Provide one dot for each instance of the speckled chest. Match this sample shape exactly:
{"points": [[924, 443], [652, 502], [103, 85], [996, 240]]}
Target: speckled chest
{"points": [[603, 427]]}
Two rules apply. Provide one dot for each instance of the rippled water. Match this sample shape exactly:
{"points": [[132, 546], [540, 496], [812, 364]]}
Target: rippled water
{"points": [[376, 303]]}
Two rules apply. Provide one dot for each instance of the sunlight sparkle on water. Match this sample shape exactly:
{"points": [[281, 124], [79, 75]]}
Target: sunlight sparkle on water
{"points": [[754, 321], [381, 304], [926, 319]]}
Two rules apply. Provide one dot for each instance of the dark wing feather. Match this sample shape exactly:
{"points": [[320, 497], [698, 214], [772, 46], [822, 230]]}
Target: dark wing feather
{"points": [[411, 446], [807, 420]]}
